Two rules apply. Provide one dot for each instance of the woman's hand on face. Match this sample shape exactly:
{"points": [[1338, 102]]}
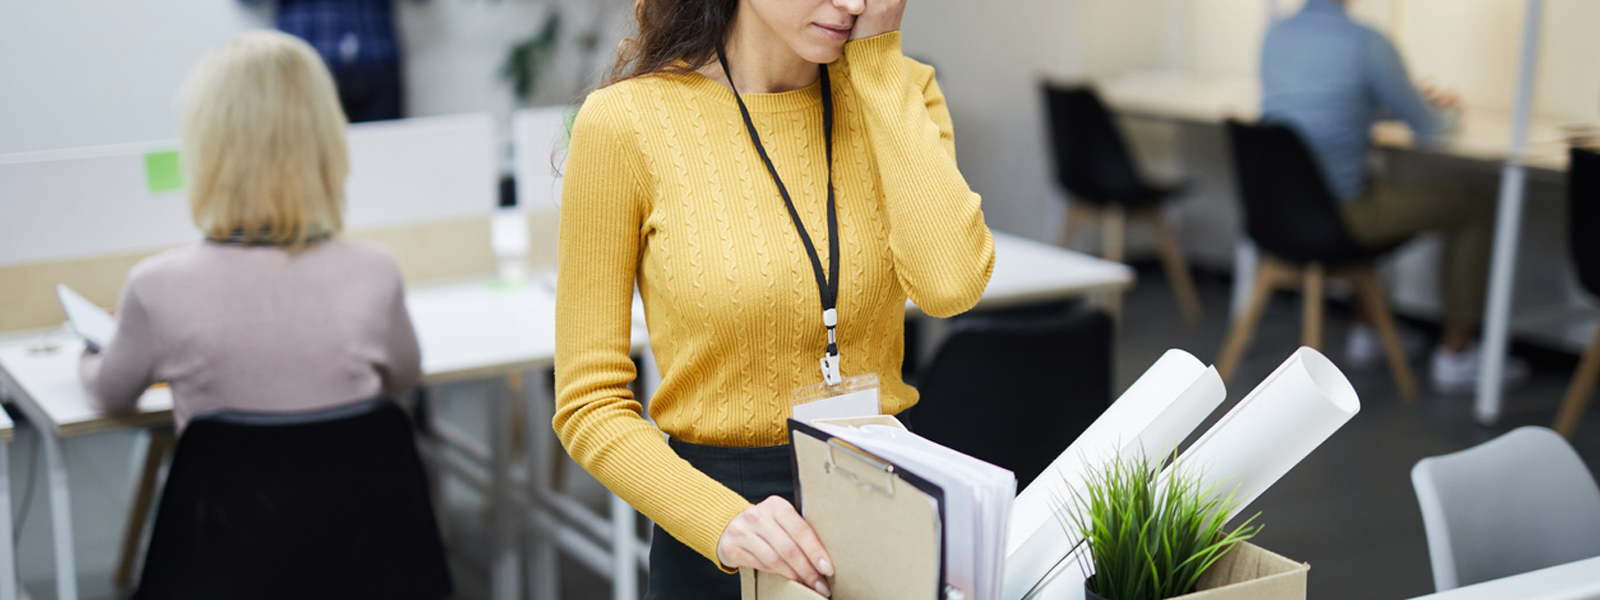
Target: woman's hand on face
{"points": [[877, 17], [771, 536]]}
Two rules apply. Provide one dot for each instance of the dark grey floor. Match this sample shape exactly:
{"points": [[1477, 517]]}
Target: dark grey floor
{"points": [[1348, 510]]}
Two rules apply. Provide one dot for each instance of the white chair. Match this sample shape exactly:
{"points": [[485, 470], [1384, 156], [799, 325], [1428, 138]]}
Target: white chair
{"points": [[1520, 502]]}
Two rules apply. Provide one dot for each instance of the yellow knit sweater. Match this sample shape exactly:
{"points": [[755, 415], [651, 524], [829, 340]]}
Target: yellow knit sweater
{"points": [[664, 188]]}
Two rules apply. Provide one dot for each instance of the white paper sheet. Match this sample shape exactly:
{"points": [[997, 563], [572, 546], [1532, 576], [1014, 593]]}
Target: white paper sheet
{"points": [[978, 498], [1274, 427]]}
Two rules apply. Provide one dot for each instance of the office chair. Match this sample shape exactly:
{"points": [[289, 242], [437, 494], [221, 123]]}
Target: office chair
{"points": [[1016, 391], [1520, 502], [1294, 220], [325, 504], [1583, 208], [1094, 166]]}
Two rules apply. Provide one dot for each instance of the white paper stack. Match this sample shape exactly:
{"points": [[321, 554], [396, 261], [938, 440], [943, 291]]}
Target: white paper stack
{"points": [[977, 497], [1271, 430]]}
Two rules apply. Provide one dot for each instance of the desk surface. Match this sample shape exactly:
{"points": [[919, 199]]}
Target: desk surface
{"points": [[482, 328], [1483, 135], [1572, 581]]}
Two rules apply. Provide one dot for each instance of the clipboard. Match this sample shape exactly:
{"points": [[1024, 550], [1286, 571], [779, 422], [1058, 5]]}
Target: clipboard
{"points": [[882, 526]]}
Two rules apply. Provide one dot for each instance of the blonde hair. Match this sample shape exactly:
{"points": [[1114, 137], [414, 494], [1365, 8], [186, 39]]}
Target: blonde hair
{"points": [[264, 142]]}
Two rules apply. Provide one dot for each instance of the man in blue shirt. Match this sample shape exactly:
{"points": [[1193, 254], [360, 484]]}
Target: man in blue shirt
{"points": [[357, 40], [1331, 79]]}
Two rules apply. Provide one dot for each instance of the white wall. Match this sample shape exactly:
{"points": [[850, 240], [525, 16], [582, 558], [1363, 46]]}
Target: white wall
{"points": [[989, 57], [93, 72]]}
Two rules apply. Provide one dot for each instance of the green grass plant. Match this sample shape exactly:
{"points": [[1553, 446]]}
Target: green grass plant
{"points": [[1152, 534]]}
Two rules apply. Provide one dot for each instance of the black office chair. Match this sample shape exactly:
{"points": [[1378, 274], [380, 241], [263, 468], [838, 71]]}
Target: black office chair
{"points": [[1295, 222], [327, 504], [1104, 185], [1583, 208], [1017, 391]]}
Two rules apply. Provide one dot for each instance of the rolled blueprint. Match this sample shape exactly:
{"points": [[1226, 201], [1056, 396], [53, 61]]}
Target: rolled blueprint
{"points": [[1274, 427], [1157, 412], [1265, 435]]}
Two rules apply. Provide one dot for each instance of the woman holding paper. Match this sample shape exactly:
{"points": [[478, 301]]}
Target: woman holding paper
{"points": [[777, 179], [273, 311]]}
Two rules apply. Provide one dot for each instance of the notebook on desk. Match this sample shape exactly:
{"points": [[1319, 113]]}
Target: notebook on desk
{"points": [[90, 322]]}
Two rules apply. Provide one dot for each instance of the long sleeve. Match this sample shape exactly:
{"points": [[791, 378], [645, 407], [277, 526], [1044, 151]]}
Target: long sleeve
{"points": [[120, 372], [402, 366], [604, 203], [1386, 75], [943, 251]]}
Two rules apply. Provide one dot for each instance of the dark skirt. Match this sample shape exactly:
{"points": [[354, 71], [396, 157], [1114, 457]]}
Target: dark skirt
{"points": [[678, 572]]}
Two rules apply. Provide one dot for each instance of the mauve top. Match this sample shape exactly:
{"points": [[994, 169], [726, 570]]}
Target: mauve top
{"points": [[258, 328]]}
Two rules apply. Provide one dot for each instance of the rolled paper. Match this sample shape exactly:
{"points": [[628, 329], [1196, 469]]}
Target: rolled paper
{"points": [[1153, 416], [1280, 422], [1273, 428]]}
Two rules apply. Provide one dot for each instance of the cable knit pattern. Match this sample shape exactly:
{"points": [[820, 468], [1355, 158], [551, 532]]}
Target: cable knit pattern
{"points": [[664, 189]]}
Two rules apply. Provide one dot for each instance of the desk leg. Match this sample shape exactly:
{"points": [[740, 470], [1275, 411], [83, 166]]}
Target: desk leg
{"points": [[505, 566], [624, 547], [8, 556], [545, 579], [1508, 228], [161, 441], [60, 516]]}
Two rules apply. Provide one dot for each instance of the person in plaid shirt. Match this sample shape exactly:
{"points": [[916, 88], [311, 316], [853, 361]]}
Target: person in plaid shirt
{"points": [[357, 40]]}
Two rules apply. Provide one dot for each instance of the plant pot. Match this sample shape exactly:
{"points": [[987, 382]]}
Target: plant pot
{"points": [[1089, 594]]}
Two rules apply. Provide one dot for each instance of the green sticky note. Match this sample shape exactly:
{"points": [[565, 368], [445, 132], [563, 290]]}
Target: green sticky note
{"points": [[161, 171]]}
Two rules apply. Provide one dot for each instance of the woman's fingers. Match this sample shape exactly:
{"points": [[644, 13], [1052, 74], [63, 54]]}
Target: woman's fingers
{"points": [[772, 537], [802, 534]]}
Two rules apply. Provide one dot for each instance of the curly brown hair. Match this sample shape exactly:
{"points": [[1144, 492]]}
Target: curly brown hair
{"points": [[670, 31]]}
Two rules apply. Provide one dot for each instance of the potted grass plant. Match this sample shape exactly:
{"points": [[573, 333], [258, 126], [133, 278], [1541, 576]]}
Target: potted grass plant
{"points": [[1152, 534]]}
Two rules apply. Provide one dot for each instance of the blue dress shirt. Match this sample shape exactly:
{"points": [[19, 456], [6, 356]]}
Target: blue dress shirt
{"points": [[1331, 78]]}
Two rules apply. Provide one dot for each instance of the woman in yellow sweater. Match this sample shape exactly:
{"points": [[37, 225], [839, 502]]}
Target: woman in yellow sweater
{"points": [[752, 164]]}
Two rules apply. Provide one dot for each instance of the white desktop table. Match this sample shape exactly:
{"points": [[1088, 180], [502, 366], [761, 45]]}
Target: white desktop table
{"points": [[478, 329], [1578, 580]]}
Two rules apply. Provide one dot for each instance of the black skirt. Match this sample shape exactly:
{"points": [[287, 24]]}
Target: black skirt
{"points": [[678, 572]]}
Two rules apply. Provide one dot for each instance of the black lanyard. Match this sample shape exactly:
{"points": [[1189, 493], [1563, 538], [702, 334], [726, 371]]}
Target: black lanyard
{"points": [[827, 283]]}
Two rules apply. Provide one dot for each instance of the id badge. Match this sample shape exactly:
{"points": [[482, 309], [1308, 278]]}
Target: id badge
{"points": [[854, 397]]}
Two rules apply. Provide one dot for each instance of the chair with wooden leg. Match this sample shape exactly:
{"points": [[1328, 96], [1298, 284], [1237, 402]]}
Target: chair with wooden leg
{"points": [[1583, 206], [1294, 220], [1104, 185]]}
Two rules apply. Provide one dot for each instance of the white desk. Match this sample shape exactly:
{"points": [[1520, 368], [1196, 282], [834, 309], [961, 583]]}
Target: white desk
{"points": [[1572, 581], [1026, 271], [1481, 135], [470, 330]]}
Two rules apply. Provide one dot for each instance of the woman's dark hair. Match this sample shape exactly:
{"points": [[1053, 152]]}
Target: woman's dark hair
{"points": [[670, 30]]}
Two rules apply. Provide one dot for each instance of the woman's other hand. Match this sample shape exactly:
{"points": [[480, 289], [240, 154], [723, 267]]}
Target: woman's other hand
{"points": [[875, 17], [772, 537]]}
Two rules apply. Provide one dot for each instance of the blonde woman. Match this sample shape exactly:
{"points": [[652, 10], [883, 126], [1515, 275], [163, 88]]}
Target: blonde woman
{"points": [[272, 311]]}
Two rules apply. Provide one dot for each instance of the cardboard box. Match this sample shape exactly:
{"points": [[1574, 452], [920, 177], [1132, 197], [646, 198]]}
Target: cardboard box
{"points": [[1249, 572]]}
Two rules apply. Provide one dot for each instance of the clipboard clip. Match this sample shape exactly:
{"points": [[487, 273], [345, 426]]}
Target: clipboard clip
{"points": [[879, 470]]}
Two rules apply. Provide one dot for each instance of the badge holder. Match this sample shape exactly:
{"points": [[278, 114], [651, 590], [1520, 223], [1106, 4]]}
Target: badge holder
{"points": [[854, 397]]}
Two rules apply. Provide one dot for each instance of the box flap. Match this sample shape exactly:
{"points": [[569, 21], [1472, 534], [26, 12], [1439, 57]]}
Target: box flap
{"points": [[1249, 572]]}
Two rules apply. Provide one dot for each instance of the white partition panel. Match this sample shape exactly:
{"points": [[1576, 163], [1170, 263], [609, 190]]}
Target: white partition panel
{"points": [[420, 170], [540, 138], [87, 202]]}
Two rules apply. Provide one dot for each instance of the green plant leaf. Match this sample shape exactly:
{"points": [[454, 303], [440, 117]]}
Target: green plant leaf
{"points": [[1151, 535]]}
